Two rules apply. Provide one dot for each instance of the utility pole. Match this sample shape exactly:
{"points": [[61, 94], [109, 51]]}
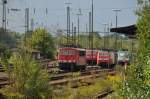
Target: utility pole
{"points": [[116, 38], [26, 23], [79, 14], [68, 22], [32, 24], [106, 33], [86, 36], [92, 28], [104, 38], [108, 38], [4, 15], [75, 36], [89, 29], [72, 33]]}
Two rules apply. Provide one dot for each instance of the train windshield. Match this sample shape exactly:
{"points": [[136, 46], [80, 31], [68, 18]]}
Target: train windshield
{"points": [[67, 52], [123, 54], [82, 53]]}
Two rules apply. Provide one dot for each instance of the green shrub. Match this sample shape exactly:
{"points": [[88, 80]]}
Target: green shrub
{"points": [[29, 80]]}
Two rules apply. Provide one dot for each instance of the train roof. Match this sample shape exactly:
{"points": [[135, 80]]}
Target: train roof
{"points": [[92, 49], [108, 50], [123, 51], [72, 48], [71, 45]]}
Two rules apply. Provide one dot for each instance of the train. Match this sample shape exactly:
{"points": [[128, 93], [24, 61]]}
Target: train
{"points": [[72, 59], [75, 59], [124, 57], [107, 58], [91, 56]]}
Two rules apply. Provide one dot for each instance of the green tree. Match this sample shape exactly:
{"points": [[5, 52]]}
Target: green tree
{"points": [[8, 37], [5, 53], [83, 42], [28, 80], [42, 41], [137, 84]]}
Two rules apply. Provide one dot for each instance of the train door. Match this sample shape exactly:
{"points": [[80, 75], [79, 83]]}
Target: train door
{"points": [[81, 58]]}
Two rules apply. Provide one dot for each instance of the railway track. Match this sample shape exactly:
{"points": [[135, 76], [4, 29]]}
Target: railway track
{"points": [[65, 77], [84, 76], [82, 73], [104, 93]]}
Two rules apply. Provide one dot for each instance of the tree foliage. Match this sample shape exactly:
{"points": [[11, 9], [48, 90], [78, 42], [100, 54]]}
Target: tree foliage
{"points": [[28, 80], [5, 52], [83, 40], [137, 85], [8, 38], [42, 41]]}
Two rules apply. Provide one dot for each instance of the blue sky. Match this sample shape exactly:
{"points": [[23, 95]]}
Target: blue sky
{"points": [[57, 13]]}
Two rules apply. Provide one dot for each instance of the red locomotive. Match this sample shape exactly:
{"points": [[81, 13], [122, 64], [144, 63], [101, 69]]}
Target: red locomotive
{"points": [[107, 58], [89, 59], [71, 59]]}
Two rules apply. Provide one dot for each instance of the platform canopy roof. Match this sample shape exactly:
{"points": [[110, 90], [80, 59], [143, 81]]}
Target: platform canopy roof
{"points": [[129, 31]]}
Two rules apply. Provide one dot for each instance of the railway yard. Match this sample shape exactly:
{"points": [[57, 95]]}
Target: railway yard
{"points": [[74, 49], [75, 80]]}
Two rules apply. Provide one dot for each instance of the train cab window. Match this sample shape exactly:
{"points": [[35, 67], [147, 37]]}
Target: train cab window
{"points": [[82, 53], [104, 53], [67, 52], [71, 52]]}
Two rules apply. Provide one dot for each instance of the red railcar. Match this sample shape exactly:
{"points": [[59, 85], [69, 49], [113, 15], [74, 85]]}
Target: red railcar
{"points": [[107, 58], [71, 59], [91, 56]]}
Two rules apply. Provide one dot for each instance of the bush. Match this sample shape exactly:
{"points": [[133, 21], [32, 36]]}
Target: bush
{"points": [[29, 80]]}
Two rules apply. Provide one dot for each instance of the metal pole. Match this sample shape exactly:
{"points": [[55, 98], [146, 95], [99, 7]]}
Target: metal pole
{"points": [[116, 38], [67, 24], [32, 24], [78, 30], [75, 36], [27, 20], [108, 30], [104, 36], [132, 49], [69, 20], [72, 32], [92, 30], [79, 14], [4, 15], [116, 32], [89, 29], [121, 45], [26, 23], [86, 36]]}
